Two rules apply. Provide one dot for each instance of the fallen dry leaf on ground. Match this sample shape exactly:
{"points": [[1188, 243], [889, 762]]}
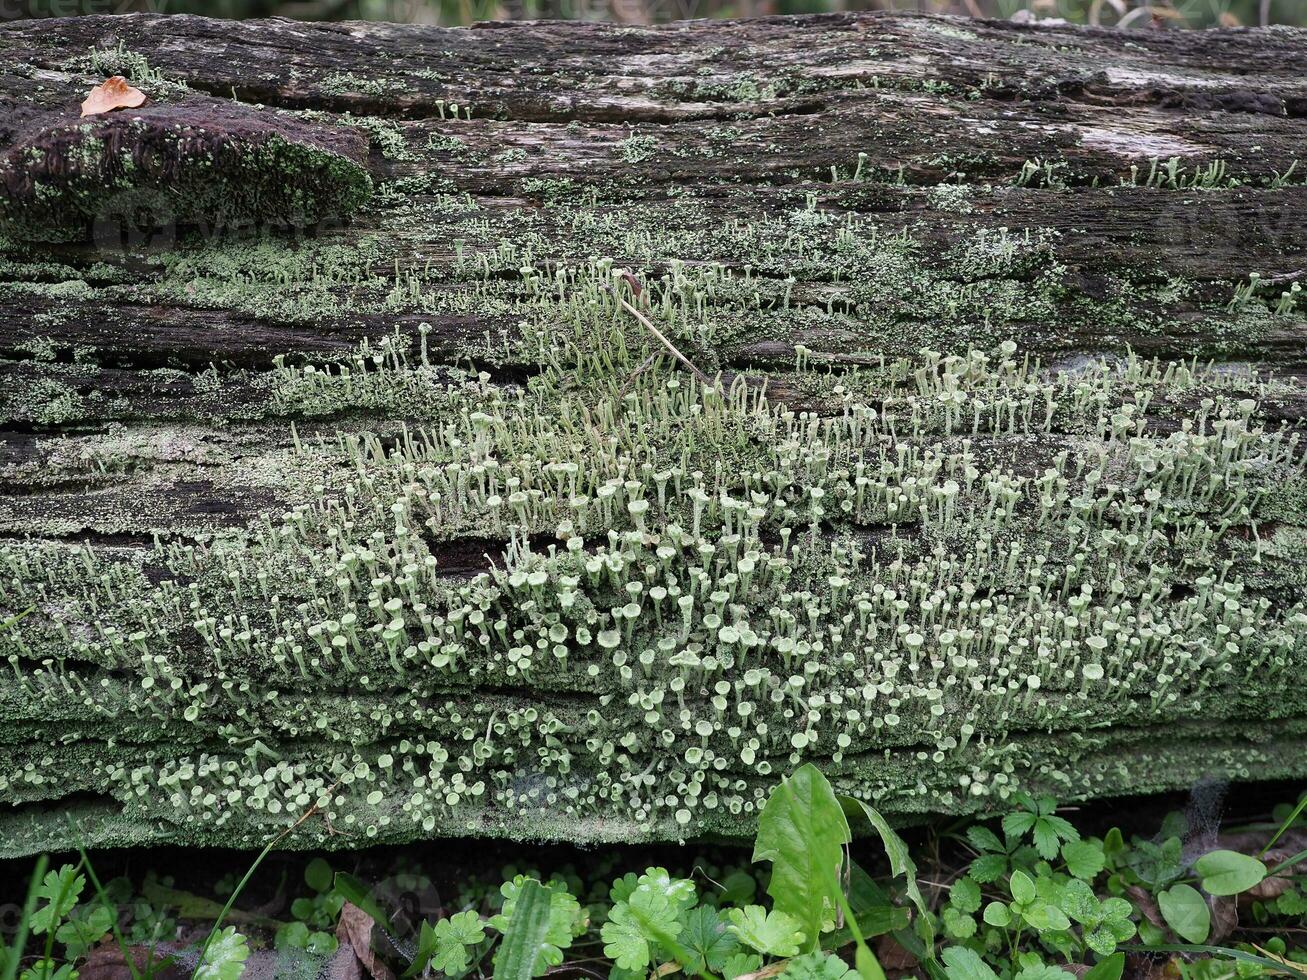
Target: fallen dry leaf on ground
{"points": [[111, 94], [1144, 902], [1225, 919], [355, 928], [893, 957], [343, 965]]}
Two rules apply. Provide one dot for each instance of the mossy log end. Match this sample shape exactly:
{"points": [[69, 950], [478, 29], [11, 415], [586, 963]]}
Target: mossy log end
{"points": [[339, 462]]}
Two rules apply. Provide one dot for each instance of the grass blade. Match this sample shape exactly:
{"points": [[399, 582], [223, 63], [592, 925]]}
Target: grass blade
{"points": [[1234, 954], [1297, 812], [24, 922], [525, 934]]}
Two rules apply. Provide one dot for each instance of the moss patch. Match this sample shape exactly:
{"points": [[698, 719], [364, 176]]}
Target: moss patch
{"points": [[164, 166]]}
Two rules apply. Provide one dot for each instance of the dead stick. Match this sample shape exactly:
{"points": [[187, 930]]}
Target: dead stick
{"points": [[648, 325]]}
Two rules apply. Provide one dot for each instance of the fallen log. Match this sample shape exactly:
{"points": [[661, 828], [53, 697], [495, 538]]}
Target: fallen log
{"points": [[348, 453]]}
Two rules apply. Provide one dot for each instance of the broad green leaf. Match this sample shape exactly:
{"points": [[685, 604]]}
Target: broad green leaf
{"points": [[1022, 887], [358, 894], [85, 927], [225, 956], [1186, 912], [1043, 971], [985, 840], [522, 950], [1018, 823], [739, 889], [1116, 910], [1046, 917], [426, 950], [566, 920], [1062, 828], [988, 868], [1229, 872], [902, 865], [1101, 941], [997, 914], [1121, 929], [802, 830], [293, 935], [638, 926], [1108, 968], [45, 969], [1080, 903], [771, 933], [961, 963], [1292, 902], [679, 891], [1114, 846], [625, 940], [958, 925], [662, 929], [1046, 838], [58, 893], [739, 964], [446, 945], [318, 875]]}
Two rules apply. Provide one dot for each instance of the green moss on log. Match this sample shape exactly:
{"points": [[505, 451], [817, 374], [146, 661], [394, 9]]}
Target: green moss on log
{"points": [[164, 166], [409, 517]]}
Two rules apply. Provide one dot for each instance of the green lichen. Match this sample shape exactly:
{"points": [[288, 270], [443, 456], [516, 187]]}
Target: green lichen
{"points": [[132, 65], [347, 83], [955, 577]]}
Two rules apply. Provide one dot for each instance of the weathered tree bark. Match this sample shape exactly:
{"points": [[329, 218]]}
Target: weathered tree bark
{"points": [[240, 336]]}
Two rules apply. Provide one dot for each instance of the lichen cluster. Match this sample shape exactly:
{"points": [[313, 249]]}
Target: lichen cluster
{"points": [[949, 577], [937, 520]]}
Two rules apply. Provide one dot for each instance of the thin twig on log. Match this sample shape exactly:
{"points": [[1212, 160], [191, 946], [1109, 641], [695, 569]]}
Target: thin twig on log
{"points": [[662, 339]]}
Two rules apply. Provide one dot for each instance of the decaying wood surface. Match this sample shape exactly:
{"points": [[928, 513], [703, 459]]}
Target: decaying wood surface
{"points": [[938, 101], [1083, 193]]}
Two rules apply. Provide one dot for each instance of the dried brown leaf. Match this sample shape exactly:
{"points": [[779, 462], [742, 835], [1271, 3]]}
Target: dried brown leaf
{"points": [[343, 965], [1145, 904], [114, 93], [893, 957], [767, 972], [1277, 884], [355, 928], [1225, 919]]}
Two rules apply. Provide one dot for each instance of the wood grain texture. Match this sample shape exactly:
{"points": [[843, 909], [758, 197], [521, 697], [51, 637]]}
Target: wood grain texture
{"points": [[805, 199]]}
